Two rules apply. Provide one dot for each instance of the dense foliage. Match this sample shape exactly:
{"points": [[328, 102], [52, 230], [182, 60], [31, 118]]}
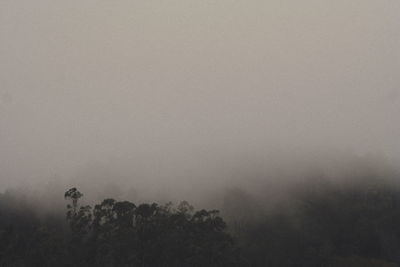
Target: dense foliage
{"points": [[321, 224], [117, 233]]}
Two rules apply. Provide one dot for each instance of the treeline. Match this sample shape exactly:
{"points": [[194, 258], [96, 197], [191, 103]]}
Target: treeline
{"points": [[321, 223], [116, 233]]}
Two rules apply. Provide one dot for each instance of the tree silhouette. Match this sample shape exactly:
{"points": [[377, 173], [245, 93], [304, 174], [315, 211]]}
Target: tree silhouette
{"points": [[325, 224]]}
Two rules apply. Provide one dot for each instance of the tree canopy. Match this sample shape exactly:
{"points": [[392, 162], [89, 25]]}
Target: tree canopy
{"points": [[120, 233], [322, 224]]}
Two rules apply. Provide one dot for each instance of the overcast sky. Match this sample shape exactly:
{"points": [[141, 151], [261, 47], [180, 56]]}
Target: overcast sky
{"points": [[171, 88]]}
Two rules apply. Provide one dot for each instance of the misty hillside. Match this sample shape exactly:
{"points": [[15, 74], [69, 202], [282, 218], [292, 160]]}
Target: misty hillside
{"points": [[322, 223], [191, 133]]}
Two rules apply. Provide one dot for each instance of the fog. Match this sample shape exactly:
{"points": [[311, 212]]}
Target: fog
{"points": [[175, 99]]}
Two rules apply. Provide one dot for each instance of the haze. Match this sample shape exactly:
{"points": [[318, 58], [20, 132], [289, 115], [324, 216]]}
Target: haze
{"points": [[175, 95]]}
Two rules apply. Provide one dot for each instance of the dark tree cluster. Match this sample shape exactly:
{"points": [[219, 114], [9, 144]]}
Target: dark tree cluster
{"points": [[322, 224], [118, 233]]}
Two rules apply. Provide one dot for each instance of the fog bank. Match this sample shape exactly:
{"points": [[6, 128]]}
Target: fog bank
{"points": [[180, 98]]}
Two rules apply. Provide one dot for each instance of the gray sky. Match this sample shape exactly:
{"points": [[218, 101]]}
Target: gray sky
{"points": [[177, 88]]}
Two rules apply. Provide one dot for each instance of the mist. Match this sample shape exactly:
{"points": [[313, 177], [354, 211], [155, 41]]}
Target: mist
{"points": [[182, 99]]}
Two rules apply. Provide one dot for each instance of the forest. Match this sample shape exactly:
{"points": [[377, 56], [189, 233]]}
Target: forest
{"points": [[322, 223]]}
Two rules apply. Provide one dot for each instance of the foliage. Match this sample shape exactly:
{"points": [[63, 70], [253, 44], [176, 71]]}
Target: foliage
{"points": [[119, 233], [322, 224]]}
